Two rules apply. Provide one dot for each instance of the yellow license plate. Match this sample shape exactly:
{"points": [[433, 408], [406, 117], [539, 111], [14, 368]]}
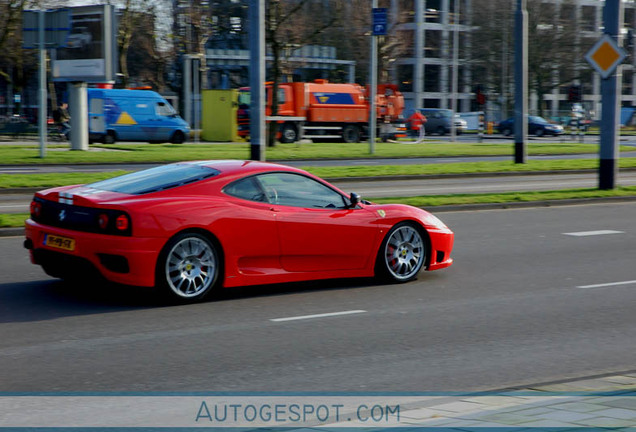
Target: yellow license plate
{"points": [[58, 242]]}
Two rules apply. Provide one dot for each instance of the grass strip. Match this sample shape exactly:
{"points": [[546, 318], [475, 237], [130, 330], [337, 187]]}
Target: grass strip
{"points": [[13, 220], [461, 168], [509, 197], [160, 153], [45, 180]]}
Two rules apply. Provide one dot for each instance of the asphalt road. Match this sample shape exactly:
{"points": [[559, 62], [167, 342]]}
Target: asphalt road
{"points": [[520, 305]]}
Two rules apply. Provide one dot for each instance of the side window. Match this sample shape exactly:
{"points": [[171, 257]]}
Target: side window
{"points": [[299, 191], [247, 188], [164, 109]]}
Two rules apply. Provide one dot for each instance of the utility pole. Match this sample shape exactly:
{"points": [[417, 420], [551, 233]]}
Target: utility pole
{"points": [[42, 93], [610, 88], [373, 84], [257, 79], [455, 71], [521, 82]]}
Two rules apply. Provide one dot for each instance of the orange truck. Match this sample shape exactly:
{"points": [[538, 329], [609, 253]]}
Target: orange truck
{"points": [[321, 110]]}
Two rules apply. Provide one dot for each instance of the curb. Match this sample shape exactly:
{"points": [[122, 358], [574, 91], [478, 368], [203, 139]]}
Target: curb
{"points": [[11, 232]]}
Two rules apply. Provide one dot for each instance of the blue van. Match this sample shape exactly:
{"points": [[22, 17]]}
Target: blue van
{"points": [[133, 115]]}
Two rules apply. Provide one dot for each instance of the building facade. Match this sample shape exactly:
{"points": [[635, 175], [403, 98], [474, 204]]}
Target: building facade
{"points": [[443, 37]]}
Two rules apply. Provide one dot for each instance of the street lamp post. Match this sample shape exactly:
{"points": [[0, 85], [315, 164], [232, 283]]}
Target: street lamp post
{"points": [[521, 81]]}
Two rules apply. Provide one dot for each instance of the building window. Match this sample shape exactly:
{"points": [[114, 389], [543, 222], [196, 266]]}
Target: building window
{"points": [[432, 78], [405, 77]]}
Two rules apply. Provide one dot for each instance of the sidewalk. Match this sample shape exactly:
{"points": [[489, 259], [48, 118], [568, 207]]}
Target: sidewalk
{"points": [[596, 402]]}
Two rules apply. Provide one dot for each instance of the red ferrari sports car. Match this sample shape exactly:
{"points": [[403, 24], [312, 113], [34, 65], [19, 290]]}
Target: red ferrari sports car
{"points": [[190, 227]]}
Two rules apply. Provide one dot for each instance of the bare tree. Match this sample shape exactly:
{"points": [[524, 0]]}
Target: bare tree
{"points": [[10, 26], [552, 42], [294, 23], [137, 42]]}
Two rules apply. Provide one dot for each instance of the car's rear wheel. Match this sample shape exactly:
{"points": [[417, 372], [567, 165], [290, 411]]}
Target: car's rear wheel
{"points": [[402, 253], [507, 131], [177, 138], [188, 268], [110, 137], [441, 131], [351, 134]]}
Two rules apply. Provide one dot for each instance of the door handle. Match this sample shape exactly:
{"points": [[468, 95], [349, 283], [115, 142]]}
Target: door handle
{"points": [[274, 209]]}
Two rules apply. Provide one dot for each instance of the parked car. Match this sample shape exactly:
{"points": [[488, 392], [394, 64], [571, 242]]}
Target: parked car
{"points": [[438, 121], [79, 37], [536, 126], [189, 228]]}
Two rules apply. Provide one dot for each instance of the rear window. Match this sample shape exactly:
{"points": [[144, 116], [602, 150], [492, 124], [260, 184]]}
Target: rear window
{"points": [[156, 179]]}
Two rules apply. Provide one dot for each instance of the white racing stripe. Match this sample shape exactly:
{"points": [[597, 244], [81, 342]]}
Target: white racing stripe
{"points": [[324, 315], [610, 284], [593, 233]]}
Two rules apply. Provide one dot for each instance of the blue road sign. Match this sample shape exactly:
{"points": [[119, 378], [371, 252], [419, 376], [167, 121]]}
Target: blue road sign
{"points": [[379, 21]]}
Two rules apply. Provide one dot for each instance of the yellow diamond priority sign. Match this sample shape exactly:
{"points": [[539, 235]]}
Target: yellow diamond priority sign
{"points": [[605, 56]]}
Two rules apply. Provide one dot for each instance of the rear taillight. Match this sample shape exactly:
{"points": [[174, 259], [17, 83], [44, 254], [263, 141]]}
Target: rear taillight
{"points": [[122, 223], [113, 222], [102, 221], [36, 209]]}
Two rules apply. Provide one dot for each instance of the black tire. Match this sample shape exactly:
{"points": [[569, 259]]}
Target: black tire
{"points": [[188, 268], [539, 132], [110, 137], [288, 133], [403, 253], [52, 271], [441, 131], [177, 137], [507, 131], [351, 134]]}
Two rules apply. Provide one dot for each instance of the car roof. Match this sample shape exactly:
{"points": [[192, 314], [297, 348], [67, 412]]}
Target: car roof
{"points": [[242, 166]]}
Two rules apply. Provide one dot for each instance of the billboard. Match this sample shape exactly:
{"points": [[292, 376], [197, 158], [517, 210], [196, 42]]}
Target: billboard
{"points": [[90, 52]]}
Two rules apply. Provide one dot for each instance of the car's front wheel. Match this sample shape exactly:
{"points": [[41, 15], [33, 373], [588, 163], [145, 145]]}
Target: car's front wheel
{"points": [[288, 134], [402, 253], [178, 137], [188, 267]]}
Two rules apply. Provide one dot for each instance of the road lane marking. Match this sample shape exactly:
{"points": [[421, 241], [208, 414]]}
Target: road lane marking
{"points": [[610, 284], [330, 314], [14, 205], [593, 233]]}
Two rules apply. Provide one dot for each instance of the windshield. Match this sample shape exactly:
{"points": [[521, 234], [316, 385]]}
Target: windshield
{"points": [[244, 97], [536, 119], [155, 179]]}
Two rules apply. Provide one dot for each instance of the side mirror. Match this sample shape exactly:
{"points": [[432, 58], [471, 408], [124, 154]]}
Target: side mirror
{"points": [[355, 199]]}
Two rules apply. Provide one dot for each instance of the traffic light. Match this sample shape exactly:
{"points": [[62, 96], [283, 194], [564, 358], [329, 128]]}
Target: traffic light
{"points": [[480, 97], [574, 94]]}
